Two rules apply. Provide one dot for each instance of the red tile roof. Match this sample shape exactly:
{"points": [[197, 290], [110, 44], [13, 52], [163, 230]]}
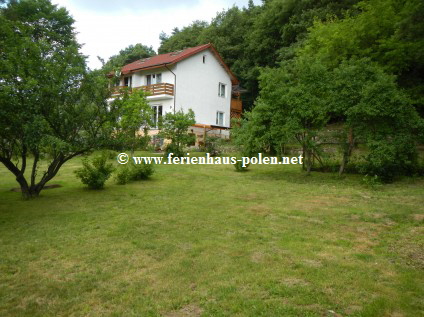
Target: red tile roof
{"points": [[172, 58]]}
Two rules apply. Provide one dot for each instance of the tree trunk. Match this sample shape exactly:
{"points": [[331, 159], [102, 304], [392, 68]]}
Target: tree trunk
{"points": [[347, 152], [308, 162], [29, 192]]}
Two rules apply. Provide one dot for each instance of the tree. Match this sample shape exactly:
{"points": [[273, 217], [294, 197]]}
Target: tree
{"points": [[51, 108], [181, 39], [128, 55], [135, 114], [292, 107], [389, 32], [174, 127]]}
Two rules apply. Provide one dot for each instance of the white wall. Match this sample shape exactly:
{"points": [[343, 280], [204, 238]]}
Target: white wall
{"points": [[197, 88], [140, 78]]}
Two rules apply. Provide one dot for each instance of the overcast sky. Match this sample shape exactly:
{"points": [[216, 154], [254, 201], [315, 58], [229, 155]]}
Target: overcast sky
{"points": [[105, 27]]}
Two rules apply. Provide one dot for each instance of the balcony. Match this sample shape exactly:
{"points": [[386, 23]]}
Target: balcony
{"points": [[154, 92], [236, 108]]}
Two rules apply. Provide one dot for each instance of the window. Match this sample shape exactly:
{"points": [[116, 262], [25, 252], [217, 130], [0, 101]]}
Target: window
{"points": [[204, 59], [154, 79], [128, 81], [221, 90], [219, 118], [157, 114]]}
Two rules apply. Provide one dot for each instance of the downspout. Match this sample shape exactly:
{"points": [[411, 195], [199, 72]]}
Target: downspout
{"points": [[175, 85]]}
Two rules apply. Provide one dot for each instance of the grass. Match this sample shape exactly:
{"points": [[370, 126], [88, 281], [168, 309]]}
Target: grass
{"points": [[205, 240]]}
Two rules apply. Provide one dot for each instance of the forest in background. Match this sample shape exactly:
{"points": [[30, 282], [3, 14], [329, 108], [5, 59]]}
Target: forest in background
{"points": [[309, 64], [251, 38]]}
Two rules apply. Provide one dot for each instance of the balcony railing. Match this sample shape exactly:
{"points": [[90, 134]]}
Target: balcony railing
{"points": [[236, 105], [152, 90]]}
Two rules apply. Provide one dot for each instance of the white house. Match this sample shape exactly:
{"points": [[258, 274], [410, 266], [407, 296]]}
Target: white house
{"points": [[195, 78]]}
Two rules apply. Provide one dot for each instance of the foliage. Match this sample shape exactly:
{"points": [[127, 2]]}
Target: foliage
{"points": [[255, 36], [134, 172], [123, 175], [298, 99], [212, 146], [389, 32], [239, 166], [141, 171], [174, 149], [51, 107], [134, 119], [292, 106], [390, 158], [174, 127], [373, 182], [128, 55], [181, 39], [94, 174]]}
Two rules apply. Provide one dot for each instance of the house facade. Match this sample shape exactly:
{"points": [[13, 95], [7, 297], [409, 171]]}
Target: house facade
{"points": [[195, 78]]}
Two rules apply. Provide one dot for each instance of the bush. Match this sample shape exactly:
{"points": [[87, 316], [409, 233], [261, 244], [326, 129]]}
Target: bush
{"points": [[94, 174], [134, 173], [373, 182], [173, 148], [389, 159], [141, 171], [212, 146], [111, 154], [123, 176], [239, 166]]}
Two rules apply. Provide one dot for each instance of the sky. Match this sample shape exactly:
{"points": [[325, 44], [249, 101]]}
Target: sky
{"points": [[105, 27]]}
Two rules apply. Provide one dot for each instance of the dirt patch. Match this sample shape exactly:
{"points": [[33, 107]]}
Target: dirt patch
{"points": [[293, 281], [260, 210], [257, 257], [251, 197], [186, 311], [18, 190], [320, 202], [418, 217], [312, 263], [410, 248]]}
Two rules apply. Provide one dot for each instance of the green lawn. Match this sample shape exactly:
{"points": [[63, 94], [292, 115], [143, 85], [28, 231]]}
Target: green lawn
{"points": [[205, 240]]}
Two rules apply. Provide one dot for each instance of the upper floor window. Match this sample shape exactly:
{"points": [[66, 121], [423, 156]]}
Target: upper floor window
{"points": [[204, 59], [128, 81], [221, 90], [154, 79]]}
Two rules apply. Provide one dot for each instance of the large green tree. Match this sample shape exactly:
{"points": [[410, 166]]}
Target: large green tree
{"points": [[128, 55], [180, 39], [51, 108], [390, 32]]}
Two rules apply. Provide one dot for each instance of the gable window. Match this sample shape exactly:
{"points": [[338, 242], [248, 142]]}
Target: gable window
{"points": [[128, 81], [157, 114], [204, 59], [221, 90], [219, 118], [154, 79]]}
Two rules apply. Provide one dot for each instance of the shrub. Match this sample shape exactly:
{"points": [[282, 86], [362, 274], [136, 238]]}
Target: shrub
{"points": [[212, 146], [123, 176], [141, 171], [173, 148], [239, 166], [373, 182], [94, 174], [389, 159], [111, 155], [134, 173]]}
